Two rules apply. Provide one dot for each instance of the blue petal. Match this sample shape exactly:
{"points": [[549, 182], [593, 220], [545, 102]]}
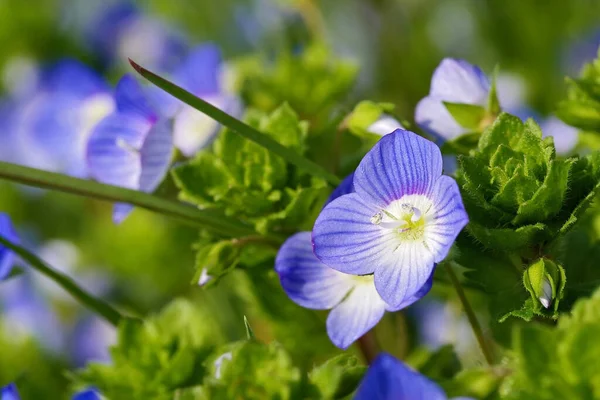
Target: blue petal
{"points": [[7, 257], [131, 98], [193, 130], [121, 211], [73, 77], [389, 379], [346, 187], [402, 271], [88, 394], [355, 315], [434, 118], [9, 392], [417, 296], [345, 239], [448, 219], [104, 31], [306, 280], [400, 163], [113, 150], [200, 72], [457, 81], [156, 153], [565, 137]]}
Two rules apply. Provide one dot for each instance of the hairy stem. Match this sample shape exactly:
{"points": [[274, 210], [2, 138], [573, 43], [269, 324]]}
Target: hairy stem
{"points": [[483, 344], [95, 304]]}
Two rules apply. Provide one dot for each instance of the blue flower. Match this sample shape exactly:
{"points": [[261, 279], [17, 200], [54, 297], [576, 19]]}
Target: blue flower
{"points": [[54, 124], [88, 394], [202, 74], [454, 81], [131, 147], [7, 257], [384, 124], [402, 219], [389, 379], [91, 340], [9, 392], [356, 305]]}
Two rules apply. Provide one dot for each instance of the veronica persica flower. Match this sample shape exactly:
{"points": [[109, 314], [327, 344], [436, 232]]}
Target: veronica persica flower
{"points": [[7, 257], [202, 74], [356, 305], [401, 220], [9, 392], [131, 147], [88, 394], [390, 379], [453, 81], [384, 124]]}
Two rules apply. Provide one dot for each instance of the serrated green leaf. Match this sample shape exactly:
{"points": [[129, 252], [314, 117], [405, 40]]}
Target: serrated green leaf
{"points": [[583, 114], [202, 180], [469, 116], [337, 377], [364, 115], [509, 239]]}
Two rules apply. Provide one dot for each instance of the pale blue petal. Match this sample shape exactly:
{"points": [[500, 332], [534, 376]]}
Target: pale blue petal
{"points": [[433, 117], [448, 219], [565, 136], [457, 81], [113, 150], [193, 130], [346, 187], [88, 394], [132, 99], [200, 72], [345, 239], [306, 280], [121, 211], [9, 392], [7, 257], [390, 379], [355, 315], [74, 77], [400, 163], [402, 271], [416, 297], [384, 125], [156, 153]]}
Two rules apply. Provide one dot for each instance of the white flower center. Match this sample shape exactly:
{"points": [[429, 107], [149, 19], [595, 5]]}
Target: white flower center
{"points": [[406, 217]]}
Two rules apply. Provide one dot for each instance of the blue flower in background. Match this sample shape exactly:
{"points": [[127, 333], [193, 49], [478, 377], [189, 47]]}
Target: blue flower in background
{"points": [[91, 340], [390, 379], [402, 219], [356, 305], [131, 147], [385, 124], [202, 74], [565, 136], [9, 392], [55, 123], [453, 81], [7, 257], [345, 187], [88, 394]]}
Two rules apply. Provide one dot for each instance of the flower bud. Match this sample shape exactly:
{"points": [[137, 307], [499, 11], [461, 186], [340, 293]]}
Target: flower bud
{"points": [[545, 281]]}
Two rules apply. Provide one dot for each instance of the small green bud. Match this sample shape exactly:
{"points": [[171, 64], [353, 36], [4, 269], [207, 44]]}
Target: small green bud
{"points": [[545, 281]]}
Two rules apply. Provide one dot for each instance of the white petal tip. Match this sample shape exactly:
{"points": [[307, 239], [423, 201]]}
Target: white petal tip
{"points": [[545, 302]]}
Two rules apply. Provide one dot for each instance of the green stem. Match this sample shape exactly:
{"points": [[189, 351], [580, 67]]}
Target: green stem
{"points": [[369, 347], [236, 125], [483, 344], [187, 214], [97, 305]]}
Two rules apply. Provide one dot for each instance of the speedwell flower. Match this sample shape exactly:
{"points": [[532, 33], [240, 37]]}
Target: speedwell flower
{"points": [[453, 81], [88, 394], [401, 220], [131, 147], [356, 305], [388, 378], [9, 392], [7, 257]]}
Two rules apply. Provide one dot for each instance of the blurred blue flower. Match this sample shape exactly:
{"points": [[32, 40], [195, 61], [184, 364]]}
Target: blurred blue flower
{"points": [[565, 136], [203, 74], [132, 147], [7, 257], [54, 124], [356, 306], [345, 187], [454, 81], [88, 394], [390, 379], [401, 220], [91, 340], [9, 392]]}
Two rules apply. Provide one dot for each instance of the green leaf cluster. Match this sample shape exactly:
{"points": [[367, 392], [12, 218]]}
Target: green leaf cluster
{"points": [[581, 108], [561, 362]]}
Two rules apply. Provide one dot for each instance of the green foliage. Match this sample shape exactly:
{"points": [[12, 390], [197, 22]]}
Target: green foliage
{"points": [[557, 363], [545, 281], [364, 115], [337, 377], [581, 108]]}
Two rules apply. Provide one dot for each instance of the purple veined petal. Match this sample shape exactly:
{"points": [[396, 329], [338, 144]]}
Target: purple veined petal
{"points": [[88, 394], [446, 219], [416, 297], [565, 136], [402, 271], [7, 257], [457, 81], [132, 99], [345, 239], [433, 117], [9, 392], [384, 125], [200, 71], [345, 187], [305, 279], [74, 77], [156, 154], [400, 163], [113, 152], [193, 130], [360, 311], [389, 378]]}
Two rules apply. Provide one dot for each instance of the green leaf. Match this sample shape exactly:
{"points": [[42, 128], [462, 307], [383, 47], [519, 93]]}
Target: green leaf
{"points": [[364, 115], [478, 383], [509, 239], [493, 104], [583, 113], [249, 332], [337, 377], [469, 116]]}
